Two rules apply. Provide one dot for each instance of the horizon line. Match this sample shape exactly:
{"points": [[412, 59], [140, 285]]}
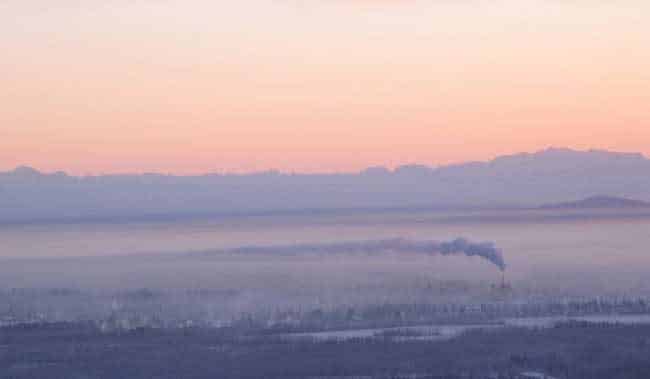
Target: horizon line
{"points": [[273, 171]]}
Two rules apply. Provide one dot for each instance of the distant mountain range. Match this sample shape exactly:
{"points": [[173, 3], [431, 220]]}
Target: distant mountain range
{"points": [[600, 202], [522, 180]]}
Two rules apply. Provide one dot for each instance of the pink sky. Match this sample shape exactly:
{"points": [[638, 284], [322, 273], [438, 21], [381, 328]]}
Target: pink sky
{"points": [[316, 85]]}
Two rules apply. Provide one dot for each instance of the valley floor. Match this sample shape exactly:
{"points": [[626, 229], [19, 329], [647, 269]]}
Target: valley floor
{"points": [[574, 349]]}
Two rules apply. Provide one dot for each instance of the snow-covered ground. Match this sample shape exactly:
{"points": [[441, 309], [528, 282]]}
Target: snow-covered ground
{"points": [[445, 332]]}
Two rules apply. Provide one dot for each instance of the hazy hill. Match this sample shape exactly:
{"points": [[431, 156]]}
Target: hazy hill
{"points": [[527, 179], [599, 202]]}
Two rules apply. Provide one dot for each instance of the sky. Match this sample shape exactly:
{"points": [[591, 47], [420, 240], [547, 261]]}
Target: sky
{"points": [[193, 86]]}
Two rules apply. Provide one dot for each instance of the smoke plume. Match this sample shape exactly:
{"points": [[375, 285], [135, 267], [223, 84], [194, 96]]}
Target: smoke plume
{"points": [[485, 250]]}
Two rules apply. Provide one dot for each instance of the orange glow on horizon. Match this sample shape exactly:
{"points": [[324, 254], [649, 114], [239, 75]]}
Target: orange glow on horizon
{"points": [[196, 86]]}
